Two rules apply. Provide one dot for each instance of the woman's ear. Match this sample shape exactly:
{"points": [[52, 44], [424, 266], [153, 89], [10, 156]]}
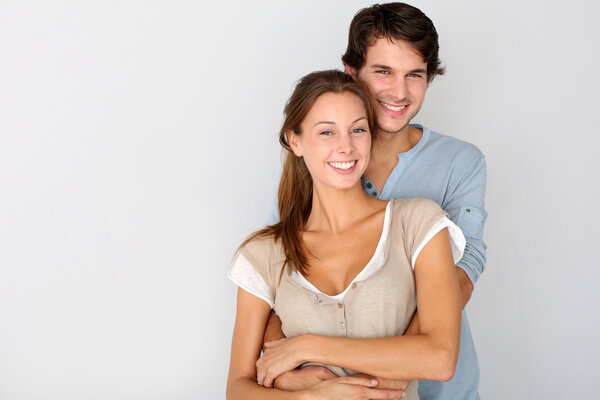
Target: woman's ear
{"points": [[295, 142]]}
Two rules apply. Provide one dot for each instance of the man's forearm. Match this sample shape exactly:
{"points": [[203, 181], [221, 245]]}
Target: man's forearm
{"points": [[273, 329], [466, 286]]}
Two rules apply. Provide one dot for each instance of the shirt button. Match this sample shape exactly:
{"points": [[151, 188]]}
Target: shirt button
{"points": [[353, 285], [340, 305], [368, 185], [342, 325], [468, 210], [373, 193]]}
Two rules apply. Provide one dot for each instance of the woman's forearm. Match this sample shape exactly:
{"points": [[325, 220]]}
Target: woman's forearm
{"points": [[400, 357], [246, 389]]}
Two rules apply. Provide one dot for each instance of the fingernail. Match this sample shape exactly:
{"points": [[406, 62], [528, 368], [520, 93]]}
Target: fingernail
{"points": [[374, 381]]}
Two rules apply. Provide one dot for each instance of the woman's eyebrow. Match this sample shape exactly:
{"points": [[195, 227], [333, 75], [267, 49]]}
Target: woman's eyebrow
{"points": [[324, 122], [333, 123]]}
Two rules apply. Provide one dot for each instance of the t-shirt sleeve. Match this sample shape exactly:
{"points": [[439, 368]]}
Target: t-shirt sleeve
{"points": [[457, 239], [243, 274], [422, 220], [251, 270]]}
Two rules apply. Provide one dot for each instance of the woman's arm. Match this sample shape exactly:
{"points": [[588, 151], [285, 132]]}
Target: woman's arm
{"points": [[250, 322], [251, 318], [432, 354]]}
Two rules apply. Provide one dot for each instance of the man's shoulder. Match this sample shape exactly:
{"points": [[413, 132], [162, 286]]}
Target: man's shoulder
{"points": [[452, 146]]}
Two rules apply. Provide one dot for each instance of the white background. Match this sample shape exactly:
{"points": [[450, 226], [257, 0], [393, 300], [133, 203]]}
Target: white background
{"points": [[138, 147]]}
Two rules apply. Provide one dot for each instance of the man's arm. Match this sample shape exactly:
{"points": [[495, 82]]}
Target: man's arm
{"points": [[466, 209], [273, 329]]}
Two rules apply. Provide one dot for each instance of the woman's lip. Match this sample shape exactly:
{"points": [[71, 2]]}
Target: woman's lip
{"points": [[343, 167]]}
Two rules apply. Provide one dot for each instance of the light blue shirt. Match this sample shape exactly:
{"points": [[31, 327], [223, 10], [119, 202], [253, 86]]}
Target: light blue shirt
{"points": [[453, 174]]}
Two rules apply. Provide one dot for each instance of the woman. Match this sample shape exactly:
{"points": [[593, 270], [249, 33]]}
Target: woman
{"points": [[344, 271]]}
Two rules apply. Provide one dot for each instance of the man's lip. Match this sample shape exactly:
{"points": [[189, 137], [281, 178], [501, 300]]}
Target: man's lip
{"points": [[393, 109]]}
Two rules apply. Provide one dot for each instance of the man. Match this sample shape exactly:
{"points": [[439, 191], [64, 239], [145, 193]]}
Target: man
{"points": [[393, 49]]}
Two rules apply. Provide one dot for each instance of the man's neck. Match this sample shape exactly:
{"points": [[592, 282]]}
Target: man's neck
{"points": [[387, 144], [384, 152]]}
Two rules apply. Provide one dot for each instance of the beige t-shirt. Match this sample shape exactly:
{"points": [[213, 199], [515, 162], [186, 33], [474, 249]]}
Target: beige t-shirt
{"points": [[379, 302]]}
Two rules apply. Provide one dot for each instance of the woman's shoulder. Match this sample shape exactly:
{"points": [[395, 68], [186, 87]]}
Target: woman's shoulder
{"points": [[417, 206], [262, 250]]}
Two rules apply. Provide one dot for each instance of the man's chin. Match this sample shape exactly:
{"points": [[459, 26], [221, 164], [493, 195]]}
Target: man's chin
{"points": [[391, 129]]}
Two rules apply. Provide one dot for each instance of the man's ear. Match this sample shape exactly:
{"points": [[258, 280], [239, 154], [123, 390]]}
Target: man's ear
{"points": [[294, 142], [350, 71]]}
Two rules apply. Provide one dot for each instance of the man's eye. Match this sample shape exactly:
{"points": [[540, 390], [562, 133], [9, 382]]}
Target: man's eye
{"points": [[382, 72], [415, 75]]}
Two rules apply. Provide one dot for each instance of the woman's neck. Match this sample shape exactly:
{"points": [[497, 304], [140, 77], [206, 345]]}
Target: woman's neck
{"points": [[335, 210]]}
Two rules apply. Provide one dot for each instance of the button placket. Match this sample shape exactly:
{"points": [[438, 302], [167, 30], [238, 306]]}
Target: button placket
{"points": [[341, 312]]}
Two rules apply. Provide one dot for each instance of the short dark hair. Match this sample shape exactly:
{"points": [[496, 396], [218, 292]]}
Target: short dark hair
{"points": [[394, 21]]}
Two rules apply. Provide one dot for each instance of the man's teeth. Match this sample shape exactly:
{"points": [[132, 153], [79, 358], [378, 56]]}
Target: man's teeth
{"points": [[399, 108], [343, 165]]}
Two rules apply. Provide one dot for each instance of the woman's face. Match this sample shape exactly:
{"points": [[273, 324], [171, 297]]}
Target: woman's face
{"points": [[335, 140]]}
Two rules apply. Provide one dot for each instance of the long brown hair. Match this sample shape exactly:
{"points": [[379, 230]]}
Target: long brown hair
{"points": [[296, 185]]}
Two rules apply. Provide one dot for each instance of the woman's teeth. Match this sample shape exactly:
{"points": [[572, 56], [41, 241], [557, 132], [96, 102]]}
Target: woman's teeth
{"points": [[343, 165]]}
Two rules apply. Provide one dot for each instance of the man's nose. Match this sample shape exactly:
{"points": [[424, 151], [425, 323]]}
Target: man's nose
{"points": [[399, 90]]}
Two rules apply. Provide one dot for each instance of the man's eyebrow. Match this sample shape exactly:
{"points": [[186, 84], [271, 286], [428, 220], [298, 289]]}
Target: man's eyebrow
{"points": [[380, 66], [418, 70]]}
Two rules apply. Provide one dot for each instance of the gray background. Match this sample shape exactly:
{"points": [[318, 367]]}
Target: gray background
{"points": [[138, 147]]}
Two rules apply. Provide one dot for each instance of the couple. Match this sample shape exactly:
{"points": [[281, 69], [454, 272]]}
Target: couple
{"points": [[346, 272]]}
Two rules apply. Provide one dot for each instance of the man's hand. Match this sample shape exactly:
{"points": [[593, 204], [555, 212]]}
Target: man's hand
{"points": [[388, 384], [303, 378], [273, 329]]}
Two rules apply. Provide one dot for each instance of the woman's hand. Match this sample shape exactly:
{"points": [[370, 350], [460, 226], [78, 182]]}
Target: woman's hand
{"points": [[352, 388], [395, 384], [279, 356], [303, 378]]}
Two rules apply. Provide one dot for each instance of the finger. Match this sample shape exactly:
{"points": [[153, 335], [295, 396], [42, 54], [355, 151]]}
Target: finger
{"points": [[271, 343], [260, 374], [268, 381], [360, 381], [375, 394]]}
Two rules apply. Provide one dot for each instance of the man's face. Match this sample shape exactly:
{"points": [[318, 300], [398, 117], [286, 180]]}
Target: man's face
{"points": [[396, 76]]}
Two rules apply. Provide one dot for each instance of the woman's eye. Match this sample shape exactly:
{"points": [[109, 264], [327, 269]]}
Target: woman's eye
{"points": [[358, 130], [326, 133]]}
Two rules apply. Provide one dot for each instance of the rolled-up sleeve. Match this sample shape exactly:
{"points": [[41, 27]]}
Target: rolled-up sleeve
{"points": [[466, 208]]}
